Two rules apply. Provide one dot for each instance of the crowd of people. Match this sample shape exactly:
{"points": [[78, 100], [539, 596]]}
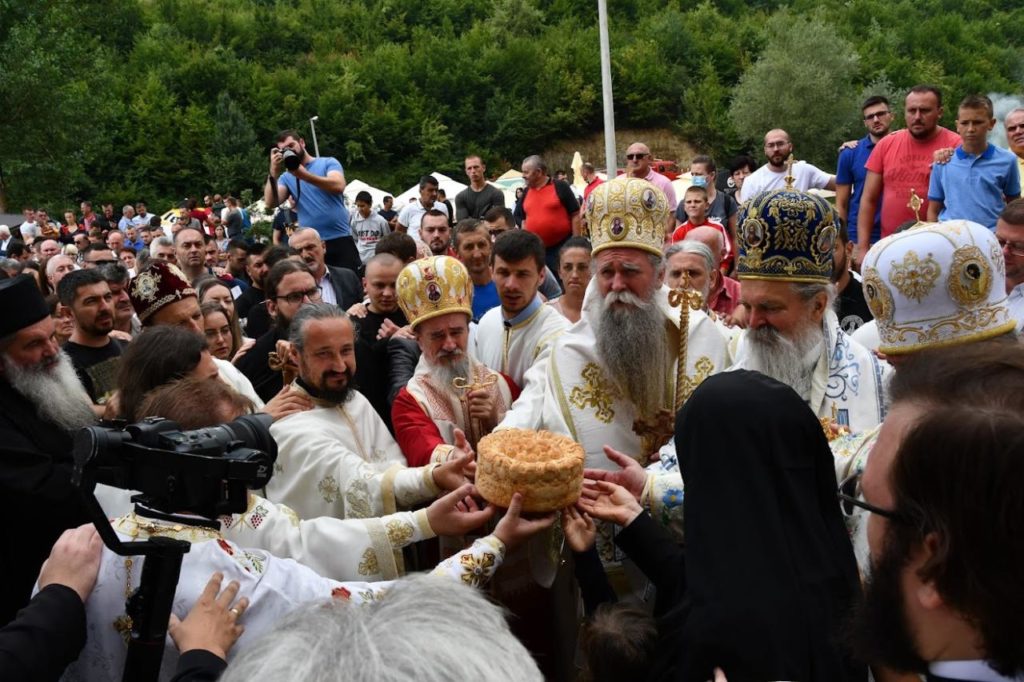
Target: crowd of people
{"points": [[799, 420]]}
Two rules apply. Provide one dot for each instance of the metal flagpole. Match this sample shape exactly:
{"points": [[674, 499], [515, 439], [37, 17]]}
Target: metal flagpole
{"points": [[611, 163], [312, 129]]}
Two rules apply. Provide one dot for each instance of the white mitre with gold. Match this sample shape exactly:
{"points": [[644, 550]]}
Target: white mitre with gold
{"points": [[936, 285]]}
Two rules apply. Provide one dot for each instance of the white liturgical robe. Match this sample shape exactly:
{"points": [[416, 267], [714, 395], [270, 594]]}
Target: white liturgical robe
{"points": [[341, 461], [513, 346], [274, 587], [580, 401]]}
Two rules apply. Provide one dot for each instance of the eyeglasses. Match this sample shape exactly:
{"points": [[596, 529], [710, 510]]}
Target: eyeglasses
{"points": [[880, 114], [849, 497], [1015, 248], [297, 297], [635, 157]]}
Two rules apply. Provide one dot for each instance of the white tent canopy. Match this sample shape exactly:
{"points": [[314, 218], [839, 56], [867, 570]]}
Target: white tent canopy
{"points": [[355, 186], [450, 187]]}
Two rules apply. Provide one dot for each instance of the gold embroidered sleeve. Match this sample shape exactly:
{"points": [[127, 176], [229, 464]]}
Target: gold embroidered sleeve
{"points": [[415, 485], [475, 565], [442, 453]]}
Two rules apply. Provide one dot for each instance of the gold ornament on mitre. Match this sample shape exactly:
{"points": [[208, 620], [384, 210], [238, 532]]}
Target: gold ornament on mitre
{"points": [[627, 213], [435, 286]]}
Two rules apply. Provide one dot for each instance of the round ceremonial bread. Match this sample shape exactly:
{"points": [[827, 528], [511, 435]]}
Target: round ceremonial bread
{"points": [[545, 467]]}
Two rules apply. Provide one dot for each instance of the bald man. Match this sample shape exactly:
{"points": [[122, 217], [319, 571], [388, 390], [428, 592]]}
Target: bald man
{"points": [[724, 296], [772, 175], [638, 165]]}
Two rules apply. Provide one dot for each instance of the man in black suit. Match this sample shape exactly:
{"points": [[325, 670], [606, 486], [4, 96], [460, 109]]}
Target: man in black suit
{"points": [[339, 286], [943, 485]]}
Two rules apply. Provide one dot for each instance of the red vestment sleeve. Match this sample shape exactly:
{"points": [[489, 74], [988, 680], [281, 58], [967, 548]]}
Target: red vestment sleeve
{"points": [[415, 431]]}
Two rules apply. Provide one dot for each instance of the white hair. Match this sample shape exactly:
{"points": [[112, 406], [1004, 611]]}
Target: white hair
{"points": [[425, 628], [695, 247], [54, 389]]}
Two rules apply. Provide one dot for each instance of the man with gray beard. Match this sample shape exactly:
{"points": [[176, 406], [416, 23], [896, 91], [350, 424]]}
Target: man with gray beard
{"points": [[611, 379], [450, 393], [786, 242], [42, 403]]}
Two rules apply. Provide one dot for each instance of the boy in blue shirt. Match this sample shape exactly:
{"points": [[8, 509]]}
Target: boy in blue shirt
{"points": [[979, 178]]}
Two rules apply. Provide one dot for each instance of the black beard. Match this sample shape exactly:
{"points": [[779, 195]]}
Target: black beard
{"points": [[335, 397], [878, 632]]}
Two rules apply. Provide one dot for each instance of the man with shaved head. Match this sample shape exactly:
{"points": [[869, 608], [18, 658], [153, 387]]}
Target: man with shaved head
{"points": [[724, 296], [48, 249], [548, 208], [772, 175], [638, 165]]}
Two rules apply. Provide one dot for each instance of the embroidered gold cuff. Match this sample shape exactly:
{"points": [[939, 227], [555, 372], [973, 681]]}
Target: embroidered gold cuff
{"points": [[420, 519], [442, 453], [428, 479]]}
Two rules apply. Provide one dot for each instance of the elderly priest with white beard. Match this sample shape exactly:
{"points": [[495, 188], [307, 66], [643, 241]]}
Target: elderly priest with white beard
{"points": [[42, 402], [786, 239], [612, 378]]}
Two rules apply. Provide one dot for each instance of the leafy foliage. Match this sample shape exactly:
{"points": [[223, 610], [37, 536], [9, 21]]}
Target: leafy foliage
{"points": [[159, 99]]}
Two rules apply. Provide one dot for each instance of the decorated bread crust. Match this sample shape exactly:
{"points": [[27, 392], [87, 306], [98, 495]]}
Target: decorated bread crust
{"points": [[545, 467]]}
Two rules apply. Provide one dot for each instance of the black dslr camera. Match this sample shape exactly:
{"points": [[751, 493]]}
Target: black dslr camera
{"points": [[204, 471], [291, 159]]}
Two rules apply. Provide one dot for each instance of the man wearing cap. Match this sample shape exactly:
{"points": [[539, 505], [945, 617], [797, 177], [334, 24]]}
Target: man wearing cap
{"points": [[161, 294], [611, 379], [42, 402], [936, 285], [787, 238], [338, 458], [450, 392]]}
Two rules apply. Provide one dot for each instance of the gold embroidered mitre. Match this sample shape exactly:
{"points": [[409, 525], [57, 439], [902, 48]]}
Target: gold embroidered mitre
{"points": [[627, 213], [936, 284], [435, 286], [786, 235]]}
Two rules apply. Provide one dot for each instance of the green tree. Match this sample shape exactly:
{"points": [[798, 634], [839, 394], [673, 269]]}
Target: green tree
{"points": [[231, 156], [805, 82], [706, 123]]}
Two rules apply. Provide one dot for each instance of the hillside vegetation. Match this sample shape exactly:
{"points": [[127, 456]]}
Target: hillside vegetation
{"points": [[159, 99]]}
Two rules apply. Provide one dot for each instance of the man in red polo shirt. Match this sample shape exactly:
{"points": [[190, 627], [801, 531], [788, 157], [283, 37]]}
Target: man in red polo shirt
{"points": [[548, 209]]}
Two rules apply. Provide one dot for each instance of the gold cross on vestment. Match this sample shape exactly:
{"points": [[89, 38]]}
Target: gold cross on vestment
{"points": [[596, 393], [467, 386]]}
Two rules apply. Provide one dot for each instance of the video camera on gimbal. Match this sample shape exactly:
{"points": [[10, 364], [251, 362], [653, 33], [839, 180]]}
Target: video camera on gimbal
{"points": [[206, 472]]}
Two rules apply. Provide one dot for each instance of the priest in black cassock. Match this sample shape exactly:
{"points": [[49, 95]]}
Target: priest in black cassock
{"points": [[42, 403]]}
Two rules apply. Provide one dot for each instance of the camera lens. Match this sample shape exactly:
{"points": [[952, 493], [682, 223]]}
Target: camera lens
{"points": [[254, 431]]}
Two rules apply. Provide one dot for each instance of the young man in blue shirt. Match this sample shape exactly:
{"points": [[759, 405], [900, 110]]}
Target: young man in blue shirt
{"points": [[850, 171], [979, 178], [317, 184]]}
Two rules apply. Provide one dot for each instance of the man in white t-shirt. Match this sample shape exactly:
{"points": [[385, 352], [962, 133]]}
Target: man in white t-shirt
{"points": [[411, 214], [772, 175]]}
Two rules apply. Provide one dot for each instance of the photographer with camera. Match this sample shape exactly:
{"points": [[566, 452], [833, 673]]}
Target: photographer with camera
{"points": [[189, 480], [317, 184], [50, 632]]}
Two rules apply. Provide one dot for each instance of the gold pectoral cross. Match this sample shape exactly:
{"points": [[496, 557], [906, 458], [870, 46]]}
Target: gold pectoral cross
{"points": [[656, 430], [464, 385]]}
